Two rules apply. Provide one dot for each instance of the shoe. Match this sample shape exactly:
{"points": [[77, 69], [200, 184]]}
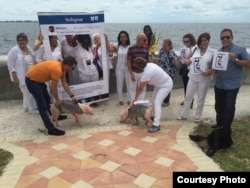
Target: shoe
{"points": [[197, 138], [211, 152], [61, 117], [182, 118], [56, 132], [165, 104], [197, 121], [182, 103], [154, 129], [94, 104], [121, 103], [35, 112]]}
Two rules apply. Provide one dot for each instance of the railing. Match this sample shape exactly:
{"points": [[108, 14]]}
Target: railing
{"points": [[9, 92]]}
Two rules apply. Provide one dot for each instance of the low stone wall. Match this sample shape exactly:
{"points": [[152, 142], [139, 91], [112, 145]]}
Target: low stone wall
{"points": [[9, 92]]}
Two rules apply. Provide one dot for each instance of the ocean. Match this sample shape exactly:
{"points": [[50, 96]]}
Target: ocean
{"points": [[174, 31]]}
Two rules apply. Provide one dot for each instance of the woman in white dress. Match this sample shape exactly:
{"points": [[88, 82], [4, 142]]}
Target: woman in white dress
{"points": [[19, 59], [121, 68]]}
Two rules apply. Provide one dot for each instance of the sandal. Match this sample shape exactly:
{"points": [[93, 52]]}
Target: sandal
{"points": [[182, 118]]}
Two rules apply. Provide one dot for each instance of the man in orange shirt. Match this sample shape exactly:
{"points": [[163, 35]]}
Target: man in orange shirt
{"points": [[49, 71]]}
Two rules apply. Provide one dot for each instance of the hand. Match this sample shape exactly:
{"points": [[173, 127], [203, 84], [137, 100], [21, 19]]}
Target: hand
{"points": [[133, 77], [16, 82], [74, 99], [187, 61], [40, 37], [59, 102], [132, 103], [232, 56]]}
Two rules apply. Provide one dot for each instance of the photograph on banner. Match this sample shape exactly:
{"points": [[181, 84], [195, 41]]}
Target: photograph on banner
{"points": [[183, 53], [220, 60], [89, 81]]}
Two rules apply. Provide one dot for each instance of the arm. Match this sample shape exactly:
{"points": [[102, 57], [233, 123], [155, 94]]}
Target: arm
{"points": [[38, 42], [54, 91], [139, 90], [11, 66], [39, 54], [67, 89], [243, 63], [177, 64], [130, 70], [110, 48], [15, 79], [240, 62]]}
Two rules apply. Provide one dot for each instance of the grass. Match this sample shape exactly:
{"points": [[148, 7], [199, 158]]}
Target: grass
{"points": [[5, 158], [234, 159], [237, 157]]}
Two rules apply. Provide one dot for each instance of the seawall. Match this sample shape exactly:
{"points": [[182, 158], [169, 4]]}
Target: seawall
{"points": [[9, 92]]}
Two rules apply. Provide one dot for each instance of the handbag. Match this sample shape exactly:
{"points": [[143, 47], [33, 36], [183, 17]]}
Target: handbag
{"points": [[184, 68]]}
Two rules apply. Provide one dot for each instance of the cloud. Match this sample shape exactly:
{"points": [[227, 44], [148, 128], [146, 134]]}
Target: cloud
{"points": [[135, 11]]}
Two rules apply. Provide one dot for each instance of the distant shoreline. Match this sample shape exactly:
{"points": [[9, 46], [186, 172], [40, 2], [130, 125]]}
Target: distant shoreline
{"points": [[22, 21]]}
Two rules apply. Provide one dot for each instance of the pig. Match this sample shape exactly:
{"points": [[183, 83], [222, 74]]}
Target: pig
{"points": [[134, 112], [70, 107]]}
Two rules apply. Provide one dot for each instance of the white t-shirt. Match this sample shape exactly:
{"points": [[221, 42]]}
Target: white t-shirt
{"points": [[121, 56], [156, 76], [40, 54], [66, 48], [84, 60]]}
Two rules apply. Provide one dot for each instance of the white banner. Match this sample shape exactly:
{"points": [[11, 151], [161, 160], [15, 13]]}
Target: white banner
{"points": [[70, 23]]}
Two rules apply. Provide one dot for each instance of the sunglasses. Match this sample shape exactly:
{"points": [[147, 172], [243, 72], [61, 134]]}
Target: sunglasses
{"points": [[225, 37], [186, 41]]}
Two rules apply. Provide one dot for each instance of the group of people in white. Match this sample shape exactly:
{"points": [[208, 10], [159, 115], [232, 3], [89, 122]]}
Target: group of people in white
{"points": [[134, 65]]}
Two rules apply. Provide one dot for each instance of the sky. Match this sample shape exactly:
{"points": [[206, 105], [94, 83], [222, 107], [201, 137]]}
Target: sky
{"points": [[135, 11]]}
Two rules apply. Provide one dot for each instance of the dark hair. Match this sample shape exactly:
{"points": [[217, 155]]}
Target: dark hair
{"points": [[119, 40], [50, 38], [69, 60], [21, 35], [229, 30], [191, 38], [83, 37], [203, 35], [140, 62], [150, 35]]}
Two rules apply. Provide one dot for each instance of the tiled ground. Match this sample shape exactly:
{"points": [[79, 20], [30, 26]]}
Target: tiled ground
{"points": [[123, 158]]}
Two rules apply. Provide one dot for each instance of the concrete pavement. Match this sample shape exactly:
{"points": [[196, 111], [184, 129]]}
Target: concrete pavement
{"points": [[105, 147]]}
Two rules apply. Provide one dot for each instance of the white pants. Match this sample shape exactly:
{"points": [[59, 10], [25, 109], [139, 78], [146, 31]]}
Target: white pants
{"points": [[133, 86], [201, 88], [159, 95], [122, 74], [29, 102]]}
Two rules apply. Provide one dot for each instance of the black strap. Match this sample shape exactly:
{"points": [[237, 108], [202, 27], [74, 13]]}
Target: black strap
{"points": [[193, 51]]}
